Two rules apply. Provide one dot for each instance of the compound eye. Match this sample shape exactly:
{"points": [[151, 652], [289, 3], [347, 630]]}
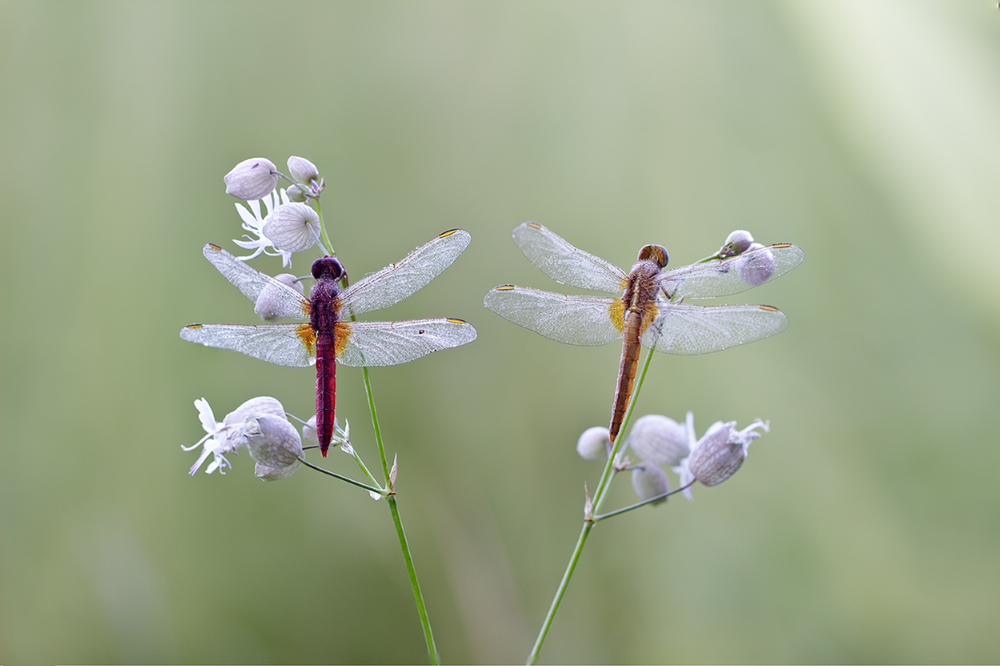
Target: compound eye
{"points": [[656, 253], [327, 266]]}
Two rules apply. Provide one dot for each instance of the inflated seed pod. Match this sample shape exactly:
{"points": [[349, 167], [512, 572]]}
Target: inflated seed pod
{"points": [[716, 458]]}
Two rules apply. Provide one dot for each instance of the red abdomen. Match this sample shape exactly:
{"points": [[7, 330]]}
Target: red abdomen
{"points": [[326, 387]]}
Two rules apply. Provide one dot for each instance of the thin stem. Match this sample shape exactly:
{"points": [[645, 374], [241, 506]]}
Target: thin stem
{"points": [[375, 425], [563, 584], [651, 500], [418, 596], [361, 464], [599, 495], [322, 227], [371, 489]]}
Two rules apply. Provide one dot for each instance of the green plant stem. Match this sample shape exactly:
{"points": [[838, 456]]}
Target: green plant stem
{"points": [[588, 524], [632, 507], [418, 596], [563, 584], [371, 489], [322, 228]]}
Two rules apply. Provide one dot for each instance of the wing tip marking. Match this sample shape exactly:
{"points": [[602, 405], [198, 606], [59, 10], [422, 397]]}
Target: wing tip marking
{"points": [[505, 287], [769, 308]]}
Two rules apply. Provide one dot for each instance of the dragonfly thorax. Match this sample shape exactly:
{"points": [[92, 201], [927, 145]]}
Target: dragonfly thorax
{"points": [[328, 267]]}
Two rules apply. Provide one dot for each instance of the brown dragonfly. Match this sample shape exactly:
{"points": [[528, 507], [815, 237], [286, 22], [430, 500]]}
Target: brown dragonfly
{"points": [[649, 310]]}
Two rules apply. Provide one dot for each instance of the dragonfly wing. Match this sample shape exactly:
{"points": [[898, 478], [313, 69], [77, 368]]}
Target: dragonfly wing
{"points": [[281, 344], [378, 343], [566, 264], [402, 279], [696, 329], [732, 275], [287, 302], [575, 320]]}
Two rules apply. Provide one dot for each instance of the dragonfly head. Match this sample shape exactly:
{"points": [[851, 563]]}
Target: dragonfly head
{"points": [[327, 267], [657, 253]]}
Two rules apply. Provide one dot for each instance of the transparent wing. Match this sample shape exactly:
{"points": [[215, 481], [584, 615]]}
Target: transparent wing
{"points": [[732, 275], [287, 301], [566, 264], [377, 343], [696, 329], [279, 344], [575, 320], [402, 279]]}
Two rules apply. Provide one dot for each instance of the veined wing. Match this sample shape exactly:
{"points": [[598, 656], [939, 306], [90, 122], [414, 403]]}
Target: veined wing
{"points": [[696, 329], [566, 264], [575, 320], [287, 301], [377, 343], [402, 279], [733, 275], [280, 344]]}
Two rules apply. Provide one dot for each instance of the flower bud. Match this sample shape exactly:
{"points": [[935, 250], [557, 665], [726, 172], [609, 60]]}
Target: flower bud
{"points": [[292, 227], [309, 430], [302, 170], [275, 446], [722, 450], [295, 193], [756, 266], [252, 179], [714, 459], [593, 443], [253, 408], [737, 242], [268, 301], [659, 440], [649, 481]]}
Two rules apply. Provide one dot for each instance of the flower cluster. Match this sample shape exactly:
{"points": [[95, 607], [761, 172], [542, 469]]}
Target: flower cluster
{"points": [[260, 425], [292, 222], [659, 441]]}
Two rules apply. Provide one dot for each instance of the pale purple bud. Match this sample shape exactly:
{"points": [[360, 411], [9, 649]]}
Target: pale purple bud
{"points": [[253, 408], [756, 266], [269, 301], [275, 446], [721, 452], [252, 179], [649, 481], [295, 193], [593, 443], [309, 430], [737, 242], [292, 227], [302, 170], [659, 440], [241, 418]]}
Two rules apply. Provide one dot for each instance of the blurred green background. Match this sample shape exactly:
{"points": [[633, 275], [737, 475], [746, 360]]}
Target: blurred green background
{"points": [[864, 528]]}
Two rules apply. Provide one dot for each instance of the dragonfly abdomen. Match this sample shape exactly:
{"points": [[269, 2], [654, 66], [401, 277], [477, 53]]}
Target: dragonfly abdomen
{"points": [[626, 370], [326, 389]]}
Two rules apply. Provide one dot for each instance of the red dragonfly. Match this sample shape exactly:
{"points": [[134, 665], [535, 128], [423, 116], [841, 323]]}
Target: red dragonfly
{"points": [[329, 336], [649, 311]]}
